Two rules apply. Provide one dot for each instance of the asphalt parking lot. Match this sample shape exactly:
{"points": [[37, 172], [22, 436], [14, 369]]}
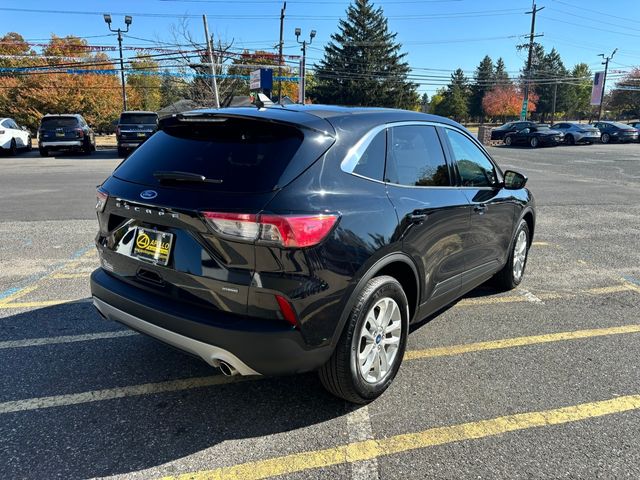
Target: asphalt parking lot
{"points": [[540, 382]]}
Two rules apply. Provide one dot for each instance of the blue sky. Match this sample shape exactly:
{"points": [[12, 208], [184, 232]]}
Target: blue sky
{"points": [[438, 35]]}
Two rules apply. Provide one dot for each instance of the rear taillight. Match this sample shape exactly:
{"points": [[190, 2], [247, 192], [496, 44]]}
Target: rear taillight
{"points": [[80, 132], [101, 199], [285, 230]]}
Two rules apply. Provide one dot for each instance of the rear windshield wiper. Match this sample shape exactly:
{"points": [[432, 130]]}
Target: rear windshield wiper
{"points": [[175, 176]]}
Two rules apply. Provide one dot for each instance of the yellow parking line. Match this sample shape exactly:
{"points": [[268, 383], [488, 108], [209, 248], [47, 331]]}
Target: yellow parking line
{"points": [[113, 393], [19, 294], [519, 342], [370, 449], [71, 275], [43, 303], [540, 244]]}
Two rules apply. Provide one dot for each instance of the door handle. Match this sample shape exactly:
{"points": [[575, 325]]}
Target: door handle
{"points": [[480, 208], [417, 217]]}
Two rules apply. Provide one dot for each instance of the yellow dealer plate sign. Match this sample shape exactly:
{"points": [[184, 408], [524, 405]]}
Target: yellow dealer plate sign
{"points": [[153, 246]]}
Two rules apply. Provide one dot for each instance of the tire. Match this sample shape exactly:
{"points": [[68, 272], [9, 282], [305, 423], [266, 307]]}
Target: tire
{"points": [[43, 152], [507, 141], [570, 140], [605, 138], [13, 148], [534, 142], [508, 278], [343, 374], [86, 148]]}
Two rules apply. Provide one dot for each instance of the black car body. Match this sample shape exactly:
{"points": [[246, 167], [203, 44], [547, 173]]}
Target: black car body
{"points": [[134, 128], [535, 136], [65, 133], [500, 132], [616, 132], [253, 237]]}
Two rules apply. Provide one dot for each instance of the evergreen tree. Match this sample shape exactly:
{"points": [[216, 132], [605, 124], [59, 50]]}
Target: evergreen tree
{"points": [[456, 98], [549, 82], [362, 63], [424, 103], [483, 82], [500, 75]]}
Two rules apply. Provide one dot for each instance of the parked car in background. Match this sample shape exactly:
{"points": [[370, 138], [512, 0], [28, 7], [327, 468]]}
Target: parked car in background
{"points": [[636, 125], [133, 129], [245, 236], [13, 137], [535, 136], [616, 132], [67, 132], [578, 132], [500, 132]]}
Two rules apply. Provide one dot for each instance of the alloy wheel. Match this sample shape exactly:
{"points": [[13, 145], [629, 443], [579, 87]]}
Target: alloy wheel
{"points": [[519, 255], [379, 340]]}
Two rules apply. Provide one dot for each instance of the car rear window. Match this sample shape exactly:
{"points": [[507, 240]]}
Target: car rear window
{"points": [[57, 122], [135, 118], [246, 155]]}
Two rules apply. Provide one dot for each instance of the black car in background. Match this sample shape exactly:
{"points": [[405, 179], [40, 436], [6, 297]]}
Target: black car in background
{"points": [[67, 132], [535, 136], [500, 132], [616, 132], [266, 243], [133, 129]]}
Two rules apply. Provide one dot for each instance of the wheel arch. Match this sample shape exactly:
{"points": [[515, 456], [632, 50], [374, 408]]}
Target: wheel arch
{"points": [[397, 265]]}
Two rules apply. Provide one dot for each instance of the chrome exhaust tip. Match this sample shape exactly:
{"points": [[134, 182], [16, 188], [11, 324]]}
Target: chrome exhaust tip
{"points": [[227, 369]]}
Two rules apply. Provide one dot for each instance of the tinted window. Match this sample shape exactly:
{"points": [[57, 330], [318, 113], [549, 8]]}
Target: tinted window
{"points": [[248, 156], [6, 124], [371, 163], [415, 157], [474, 167], [58, 122], [139, 118]]}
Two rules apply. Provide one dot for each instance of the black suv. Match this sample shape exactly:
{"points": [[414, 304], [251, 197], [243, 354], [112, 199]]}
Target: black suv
{"points": [[289, 239], [133, 129], [65, 133]]}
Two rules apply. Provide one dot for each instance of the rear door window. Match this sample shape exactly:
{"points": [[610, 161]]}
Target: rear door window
{"points": [[243, 155], [415, 157], [371, 162]]}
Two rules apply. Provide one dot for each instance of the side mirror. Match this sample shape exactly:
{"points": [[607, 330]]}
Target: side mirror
{"points": [[24, 128], [514, 180]]}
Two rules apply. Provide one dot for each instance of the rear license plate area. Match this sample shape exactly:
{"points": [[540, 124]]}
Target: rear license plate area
{"points": [[152, 246]]}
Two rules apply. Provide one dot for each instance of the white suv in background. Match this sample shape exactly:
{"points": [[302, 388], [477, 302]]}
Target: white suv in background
{"points": [[13, 137]]}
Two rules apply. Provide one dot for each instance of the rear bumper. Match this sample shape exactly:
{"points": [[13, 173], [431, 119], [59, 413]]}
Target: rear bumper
{"points": [[61, 144], [252, 346]]}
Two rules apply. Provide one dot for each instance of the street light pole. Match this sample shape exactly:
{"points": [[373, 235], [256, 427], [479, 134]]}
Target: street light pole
{"points": [[303, 66], [604, 80], [127, 20]]}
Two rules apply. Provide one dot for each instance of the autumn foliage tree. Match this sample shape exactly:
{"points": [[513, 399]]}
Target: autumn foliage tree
{"points": [[505, 101]]}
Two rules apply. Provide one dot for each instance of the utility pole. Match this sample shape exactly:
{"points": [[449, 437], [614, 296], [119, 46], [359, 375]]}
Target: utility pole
{"points": [[280, 46], [214, 83], [604, 80], [532, 35], [553, 105], [128, 20], [303, 67]]}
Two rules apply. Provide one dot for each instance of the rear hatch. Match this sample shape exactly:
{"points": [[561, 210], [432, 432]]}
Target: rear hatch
{"points": [[153, 228], [136, 127], [60, 128]]}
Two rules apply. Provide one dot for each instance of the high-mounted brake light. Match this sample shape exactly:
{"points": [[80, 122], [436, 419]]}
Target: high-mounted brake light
{"points": [[101, 199], [286, 230]]}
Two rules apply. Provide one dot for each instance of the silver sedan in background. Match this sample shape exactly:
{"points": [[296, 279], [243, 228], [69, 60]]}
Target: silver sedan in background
{"points": [[578, 132]]}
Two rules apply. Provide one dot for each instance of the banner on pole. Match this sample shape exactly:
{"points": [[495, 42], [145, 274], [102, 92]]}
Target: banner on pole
{"points": [[596, 90]]}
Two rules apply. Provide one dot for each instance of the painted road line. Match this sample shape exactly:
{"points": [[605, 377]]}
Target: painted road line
{"points": [[540, 244], [519, 342], [632, 283], [370, 449], [58, 276], [18, 293], [37, 342], [529, 296], [113, 393], [136, 390], [359, 430]]}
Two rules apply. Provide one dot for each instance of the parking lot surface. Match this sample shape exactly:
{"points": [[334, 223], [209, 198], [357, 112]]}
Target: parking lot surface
{"points": [[539, 382]]}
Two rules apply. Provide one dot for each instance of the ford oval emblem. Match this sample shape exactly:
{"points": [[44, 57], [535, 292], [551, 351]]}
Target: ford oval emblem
{"points": [[148, 194]]}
